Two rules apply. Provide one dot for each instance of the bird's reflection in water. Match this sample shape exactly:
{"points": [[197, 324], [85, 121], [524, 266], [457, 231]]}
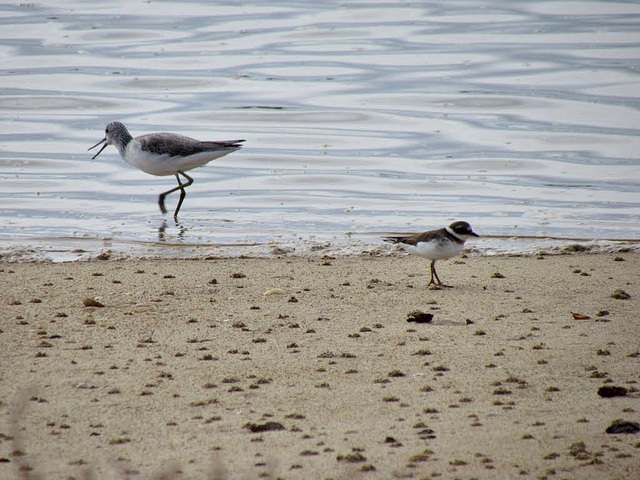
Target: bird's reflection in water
{"points": [[162, 231]]}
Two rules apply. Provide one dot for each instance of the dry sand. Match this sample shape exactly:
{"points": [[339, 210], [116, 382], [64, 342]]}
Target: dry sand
{"points": [[186, 357]]}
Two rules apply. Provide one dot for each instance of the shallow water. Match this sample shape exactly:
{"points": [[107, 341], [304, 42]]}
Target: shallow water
{"points": [[520, 117]]}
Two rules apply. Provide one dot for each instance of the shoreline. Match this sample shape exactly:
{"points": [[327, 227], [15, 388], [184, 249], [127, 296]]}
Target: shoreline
{"points": [[69, 249], [195, 365]]}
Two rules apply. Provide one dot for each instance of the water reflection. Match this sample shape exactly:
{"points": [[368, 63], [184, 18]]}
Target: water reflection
{"points": [[181, 230]]}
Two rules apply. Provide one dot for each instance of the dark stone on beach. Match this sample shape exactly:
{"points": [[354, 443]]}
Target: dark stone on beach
{"points": [[623, 426], [264, 427], [419, 317], [609, 391]]}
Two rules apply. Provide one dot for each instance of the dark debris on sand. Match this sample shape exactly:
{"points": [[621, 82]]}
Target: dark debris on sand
{"points": [[418, 316]]}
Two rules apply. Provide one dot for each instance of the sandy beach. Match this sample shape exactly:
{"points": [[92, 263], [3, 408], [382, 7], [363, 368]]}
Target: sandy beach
{"points": [[307, 368]]}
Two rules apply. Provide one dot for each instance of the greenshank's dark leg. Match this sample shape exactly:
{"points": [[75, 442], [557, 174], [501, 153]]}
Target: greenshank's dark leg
{"points": [[183, 194], [181, 186]]}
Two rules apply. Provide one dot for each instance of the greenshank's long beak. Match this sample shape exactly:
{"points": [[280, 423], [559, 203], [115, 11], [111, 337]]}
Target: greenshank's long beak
{"points": [[99, 151]]}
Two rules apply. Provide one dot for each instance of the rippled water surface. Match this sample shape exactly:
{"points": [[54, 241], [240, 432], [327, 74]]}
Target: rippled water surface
{"points": [[360, 117]]}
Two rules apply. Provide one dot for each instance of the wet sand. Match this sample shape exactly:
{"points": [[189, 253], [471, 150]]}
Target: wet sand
{"points": [[304, 368]]}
